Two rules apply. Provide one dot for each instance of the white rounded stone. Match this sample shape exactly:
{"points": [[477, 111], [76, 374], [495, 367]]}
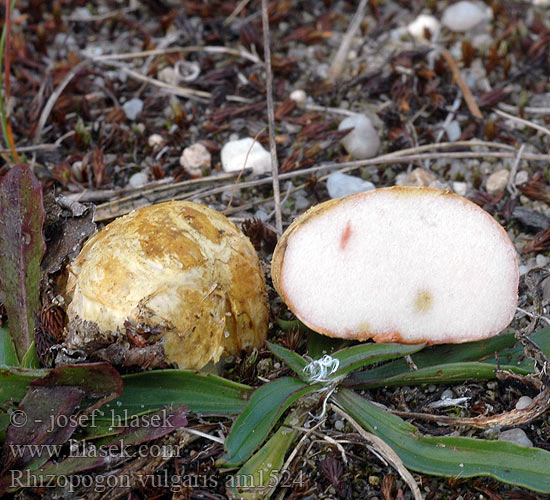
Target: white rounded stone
{"points": [[138, 179], [497, 181], [523, 402], [132, 108], [463, 16], [516, 436], [340, 185], [417, 28], [245, 153], [299, 96], [363, 141], [155, 140], [195, 159]]}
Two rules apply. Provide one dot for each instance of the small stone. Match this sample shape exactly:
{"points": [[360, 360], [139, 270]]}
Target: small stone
{"points": [[460, 188], [340, 185], [132, 108], [453, 131], [299, 96], [418, 177], [374, 480], [339, 425], [245, 153], [155, 140], [361, 142], [301, 202], [497, 181], [516, 436], [168, 75], [447, 394], [138, 179], [521, 177], [422, 24], [463, 16], [541, 260], [523, 402], [196, 160]]}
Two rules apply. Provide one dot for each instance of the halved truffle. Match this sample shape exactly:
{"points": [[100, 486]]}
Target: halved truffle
{"points": [[399, 264]]}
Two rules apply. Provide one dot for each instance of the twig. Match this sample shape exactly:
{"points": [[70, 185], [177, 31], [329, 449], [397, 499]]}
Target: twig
{"points": [[527, 109], [55, 96], [341, 55], [271, 118], [116, 208], [511, 184], [468, 97], [510, 418], [212, 49], [386, 451], [527, 123], [236, 11], [204, 435]]}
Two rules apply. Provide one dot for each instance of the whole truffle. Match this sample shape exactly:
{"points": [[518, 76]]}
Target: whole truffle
{"points": [[179, 268]]}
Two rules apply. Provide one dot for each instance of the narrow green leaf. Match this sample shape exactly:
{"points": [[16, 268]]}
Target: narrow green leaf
{"points": [[253, 425], [152, 390], [451, 456], [259, 476], [443, 362], [21, 247], [14, 383], [30, 359], [293, 360], [352, 358], [445, 373], [7, 349]]}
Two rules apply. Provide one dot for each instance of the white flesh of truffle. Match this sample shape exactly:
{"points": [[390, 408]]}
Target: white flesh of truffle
{"points": [[405, 264]]}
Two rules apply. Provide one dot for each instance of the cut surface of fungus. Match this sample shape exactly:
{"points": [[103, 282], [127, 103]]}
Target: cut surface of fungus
{"points": [[179, 268], [399, 264]]}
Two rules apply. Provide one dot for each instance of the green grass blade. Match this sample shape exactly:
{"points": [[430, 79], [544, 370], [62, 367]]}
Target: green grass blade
{"points": [[265, 408], [451, 456], [448, 373], [152, 390], [259, 476], [14, 383], [353, 358], [445, 360], [293, 360], [7, 349]]}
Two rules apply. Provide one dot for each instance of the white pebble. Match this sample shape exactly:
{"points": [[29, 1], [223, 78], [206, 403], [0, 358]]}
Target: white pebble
{"points": [[246, 153], [195, 159], [463, 16], [340, 185], [516, 436], [138, 179], [168, 75], [453, 131], [497, 181], [541, 260], [447, 394], [363, 141], [521, 177], [418, 177], [299, 96], [132, 108], [523, 402], [417, 29], [155, 140], [460, 188], [339, 425]]}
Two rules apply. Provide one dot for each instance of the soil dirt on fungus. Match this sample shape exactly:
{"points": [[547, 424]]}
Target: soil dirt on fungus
{"points": [[102, 98]]}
